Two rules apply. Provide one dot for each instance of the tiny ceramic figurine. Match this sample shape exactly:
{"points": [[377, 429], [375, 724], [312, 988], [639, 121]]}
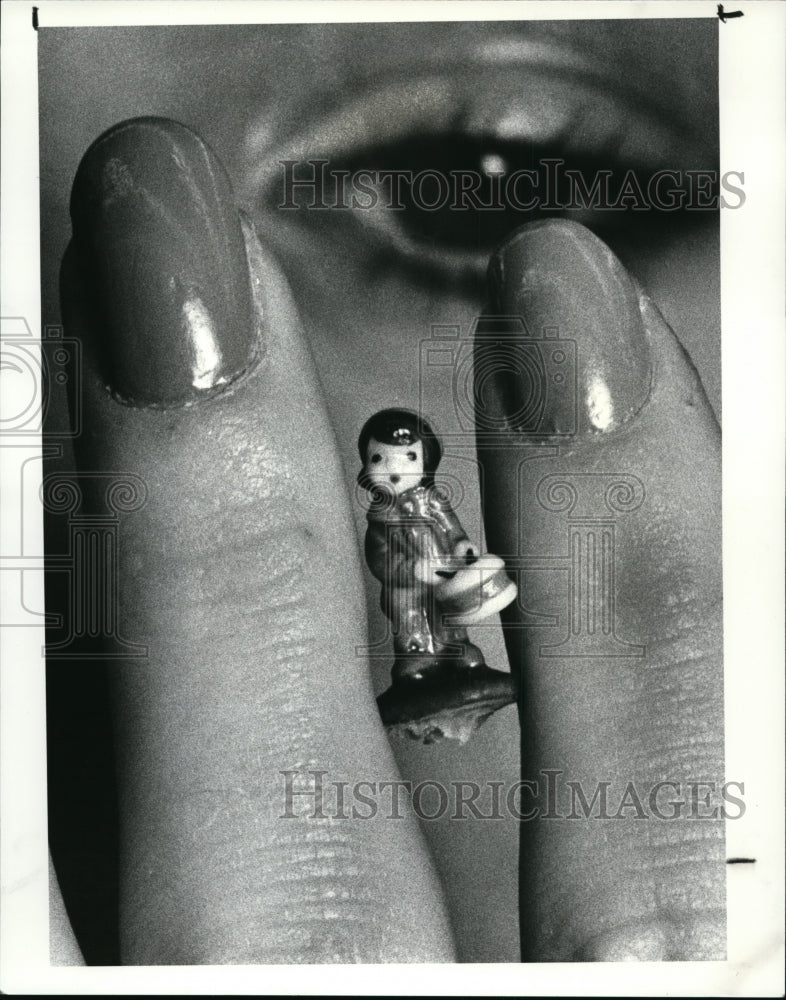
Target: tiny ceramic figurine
{"points": [[434, 584]]}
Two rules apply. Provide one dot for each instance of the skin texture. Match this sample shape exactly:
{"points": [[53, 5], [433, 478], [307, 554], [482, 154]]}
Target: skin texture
{"points": [[234, 690], [364, 302], [635, 889], [63, 946]]}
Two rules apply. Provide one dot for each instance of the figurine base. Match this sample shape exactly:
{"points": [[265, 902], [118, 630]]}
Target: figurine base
{"points": [[447, 702]]}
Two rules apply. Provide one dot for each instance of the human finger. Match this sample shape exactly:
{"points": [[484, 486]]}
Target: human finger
{"points": [[63, 947], [239, 574], [603, 493]]}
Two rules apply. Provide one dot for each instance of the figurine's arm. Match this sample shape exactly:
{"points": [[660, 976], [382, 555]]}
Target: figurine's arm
{"points": [[454, 539], [386, 560]]}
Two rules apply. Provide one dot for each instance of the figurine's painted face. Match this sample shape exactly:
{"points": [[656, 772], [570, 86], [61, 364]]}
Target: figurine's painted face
{"points": [[396, 466]]}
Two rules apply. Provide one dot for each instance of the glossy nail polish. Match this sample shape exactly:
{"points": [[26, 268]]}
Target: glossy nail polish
{"points": [[563, 350], [162, 253]]}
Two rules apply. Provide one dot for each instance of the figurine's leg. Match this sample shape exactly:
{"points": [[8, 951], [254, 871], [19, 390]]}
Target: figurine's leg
{"points": [[472, 655], [457, 646], [413, 641]]}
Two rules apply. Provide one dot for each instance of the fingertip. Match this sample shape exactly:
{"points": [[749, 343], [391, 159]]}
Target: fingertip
{"points": [[579, 362], [161, 253]]}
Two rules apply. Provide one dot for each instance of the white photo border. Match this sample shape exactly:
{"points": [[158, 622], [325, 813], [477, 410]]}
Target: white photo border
{"points": [[753, 250]]}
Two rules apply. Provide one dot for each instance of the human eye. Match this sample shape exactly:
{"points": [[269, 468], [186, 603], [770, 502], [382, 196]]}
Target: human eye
{"points": [[418, 171]]}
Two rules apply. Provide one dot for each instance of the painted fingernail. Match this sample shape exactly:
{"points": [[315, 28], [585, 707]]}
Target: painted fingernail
{"points": [[161, 248], [565, 350]]}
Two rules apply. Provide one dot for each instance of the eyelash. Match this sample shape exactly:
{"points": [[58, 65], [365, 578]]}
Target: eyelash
{"points": [[469, 229], [451, 246]]}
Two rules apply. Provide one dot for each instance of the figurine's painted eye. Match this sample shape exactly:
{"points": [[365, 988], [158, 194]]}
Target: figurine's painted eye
{"points": [[376, 458], [411, 456]]}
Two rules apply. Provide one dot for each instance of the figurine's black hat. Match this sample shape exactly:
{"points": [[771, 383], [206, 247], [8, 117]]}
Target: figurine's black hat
{"points": [[399, 426]]}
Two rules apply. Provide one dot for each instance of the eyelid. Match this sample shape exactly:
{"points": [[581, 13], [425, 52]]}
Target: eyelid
{"points": [[541, 93], [537, 94]]}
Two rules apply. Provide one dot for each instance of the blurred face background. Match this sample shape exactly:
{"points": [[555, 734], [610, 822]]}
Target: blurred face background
{"points": [[373, 284]]}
